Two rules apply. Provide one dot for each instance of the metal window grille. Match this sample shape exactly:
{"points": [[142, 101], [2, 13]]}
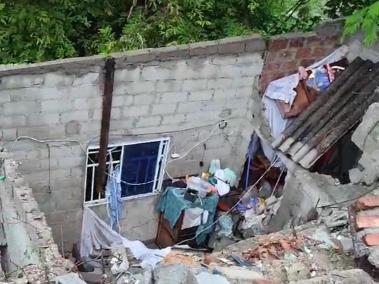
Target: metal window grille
{"points": [[142, 167]]}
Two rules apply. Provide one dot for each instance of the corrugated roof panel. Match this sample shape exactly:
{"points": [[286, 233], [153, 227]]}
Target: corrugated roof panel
{"points": [[332, 114]]}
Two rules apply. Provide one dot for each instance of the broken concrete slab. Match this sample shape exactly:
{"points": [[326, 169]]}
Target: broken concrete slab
{"points": [[352, 276], [70, 278], [366, 137], [176, 273]]}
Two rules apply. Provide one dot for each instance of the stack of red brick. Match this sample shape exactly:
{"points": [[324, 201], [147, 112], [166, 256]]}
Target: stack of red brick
{"points": [[369, 218]]}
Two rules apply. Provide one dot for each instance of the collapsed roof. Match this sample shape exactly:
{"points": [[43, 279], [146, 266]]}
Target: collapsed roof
{"points": [[332, 114]]}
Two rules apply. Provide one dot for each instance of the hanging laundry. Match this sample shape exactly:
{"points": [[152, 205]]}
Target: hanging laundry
{"points": [[113, 195]]}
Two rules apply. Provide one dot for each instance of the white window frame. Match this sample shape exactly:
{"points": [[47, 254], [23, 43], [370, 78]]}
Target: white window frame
{"points": [[163, 151]]}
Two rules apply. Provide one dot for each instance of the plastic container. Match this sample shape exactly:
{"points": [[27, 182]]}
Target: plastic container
{"points": [[201, 186]]}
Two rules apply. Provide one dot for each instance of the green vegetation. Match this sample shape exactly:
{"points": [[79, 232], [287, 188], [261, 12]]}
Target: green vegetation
{"points": [[40, 30]]}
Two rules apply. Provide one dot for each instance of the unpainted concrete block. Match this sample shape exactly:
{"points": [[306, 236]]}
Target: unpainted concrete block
{"points": [[169, 85], [200, 95], [144, 99], [173, 119], [14, 108], [57, 106], [145, 121], [87, 79], [58, 79], [12, 121], [135, 111], [163, 108]]}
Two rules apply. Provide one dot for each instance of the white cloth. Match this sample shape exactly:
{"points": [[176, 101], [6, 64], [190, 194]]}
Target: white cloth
{"points": [[221, 186], [97, 234], [192, 217], [282, 89]]}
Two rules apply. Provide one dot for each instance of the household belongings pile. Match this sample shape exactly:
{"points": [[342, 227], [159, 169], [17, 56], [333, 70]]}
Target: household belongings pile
{"points": [[193, 206], [214, 211]]}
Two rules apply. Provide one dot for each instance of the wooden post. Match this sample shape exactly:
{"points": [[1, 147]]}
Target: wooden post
{"points": [[105, 123]]}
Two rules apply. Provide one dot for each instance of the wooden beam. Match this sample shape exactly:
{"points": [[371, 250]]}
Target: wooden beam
{"points": [[105, 123]]}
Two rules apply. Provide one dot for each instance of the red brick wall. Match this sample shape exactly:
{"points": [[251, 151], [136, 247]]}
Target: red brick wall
{"points": [[287, 52]]}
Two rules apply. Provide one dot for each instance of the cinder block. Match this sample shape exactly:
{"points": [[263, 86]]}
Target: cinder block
{"points": [[173, 119], [194, 85], [231, 46], [138, 87], [9, 134], [201, 95], [80, 115], [127, 75], [255, 44], [122, 100], [12, 121], [20, 81], [133, 111], [172, 97], [229, 71], [163, 108], [123, 125], [57, 106], [144, 99], [58, 80], [86, 79], [149, 121], [39, 132], [39, 119], [220, 83], [88, 103], [169, 85], [211, 116], [203, 48], [190, 107], [4, 97], [225, 94], [247, 81], [70, 162], [154, 73], [244, 92], [13, 108]]}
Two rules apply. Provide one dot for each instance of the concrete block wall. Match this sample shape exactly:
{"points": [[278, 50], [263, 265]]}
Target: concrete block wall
{"points": [[179, 92]]}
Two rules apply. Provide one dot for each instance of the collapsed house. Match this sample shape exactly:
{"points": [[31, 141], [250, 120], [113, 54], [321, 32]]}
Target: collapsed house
{"points": [[186, 155]]}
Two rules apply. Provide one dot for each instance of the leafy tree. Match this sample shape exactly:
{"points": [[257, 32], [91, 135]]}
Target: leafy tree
{"points": [[40, 30], [367, 19]]}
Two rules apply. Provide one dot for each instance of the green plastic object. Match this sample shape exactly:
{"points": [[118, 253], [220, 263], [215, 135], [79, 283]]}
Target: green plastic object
{"points": [[2, 178]]}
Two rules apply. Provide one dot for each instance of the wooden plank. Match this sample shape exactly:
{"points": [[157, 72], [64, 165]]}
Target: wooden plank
{"points": [[105, 123]]}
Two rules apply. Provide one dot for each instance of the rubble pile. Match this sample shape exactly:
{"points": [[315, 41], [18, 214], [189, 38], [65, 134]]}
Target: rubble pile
{"points": [[274, 246]]}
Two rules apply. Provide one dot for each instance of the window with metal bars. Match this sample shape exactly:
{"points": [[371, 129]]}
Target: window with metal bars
{"points": [[142, 168]]}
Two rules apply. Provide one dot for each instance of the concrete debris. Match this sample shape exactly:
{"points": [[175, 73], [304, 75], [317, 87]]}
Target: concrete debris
{"points": [[352, 276], [119, 260], [366, 137], [238, 274], [71, 278], [206, 278], [175, 273]]}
